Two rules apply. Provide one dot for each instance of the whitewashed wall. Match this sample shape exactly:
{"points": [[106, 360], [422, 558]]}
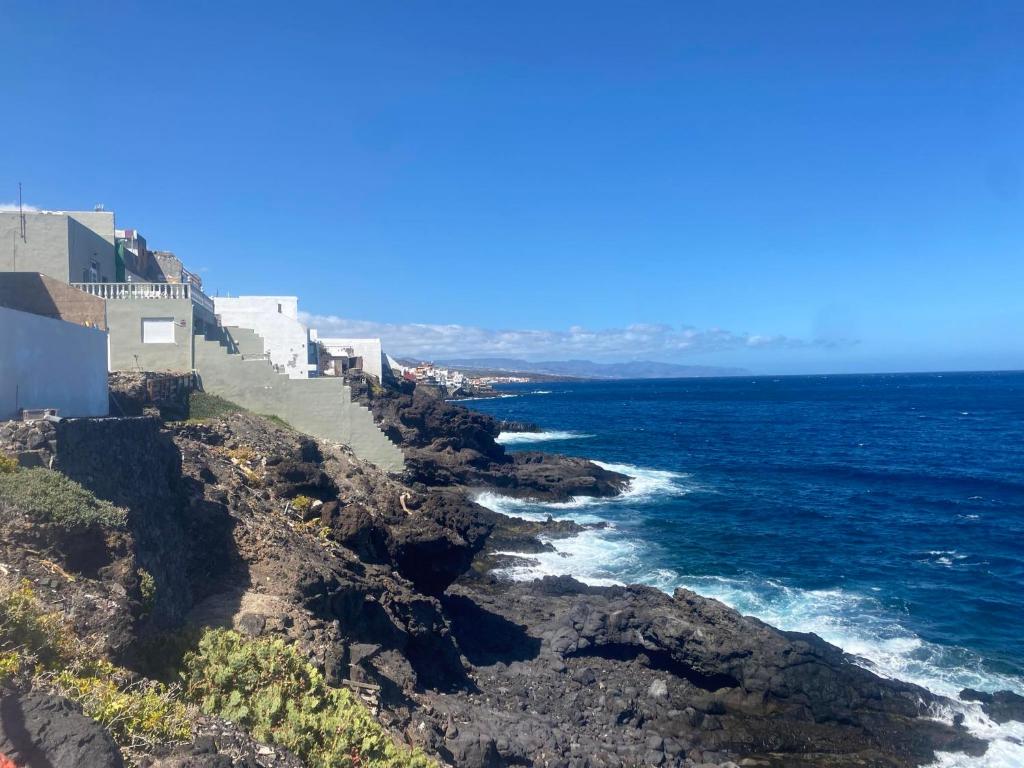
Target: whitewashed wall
{"points": [[48, 363], [276, 319], [368, 349]]}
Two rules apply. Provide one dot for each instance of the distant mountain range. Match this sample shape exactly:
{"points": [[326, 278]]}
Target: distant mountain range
{"points": [[585, 369]]}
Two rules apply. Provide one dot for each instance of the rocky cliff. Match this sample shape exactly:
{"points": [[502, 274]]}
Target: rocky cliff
{"points": [[383, 584]]}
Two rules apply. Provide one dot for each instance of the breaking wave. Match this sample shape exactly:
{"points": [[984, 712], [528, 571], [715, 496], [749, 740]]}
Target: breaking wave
{"points": [[521, 438], [859, 624]]}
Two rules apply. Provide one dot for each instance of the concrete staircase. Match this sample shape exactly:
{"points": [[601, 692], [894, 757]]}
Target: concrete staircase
{"points": [[231, 363]]}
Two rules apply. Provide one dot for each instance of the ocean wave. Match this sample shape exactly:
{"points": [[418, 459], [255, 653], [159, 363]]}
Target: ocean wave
{"points": [[519, 438], [489, 397], [647, 483], [596, 556], [861, 625]]}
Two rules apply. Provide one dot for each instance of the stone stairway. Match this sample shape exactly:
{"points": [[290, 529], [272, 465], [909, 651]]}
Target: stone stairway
{"points": [[231, 363]]}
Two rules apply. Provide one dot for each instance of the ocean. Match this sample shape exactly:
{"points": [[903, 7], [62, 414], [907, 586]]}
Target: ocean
{"points": [[884, 513]]}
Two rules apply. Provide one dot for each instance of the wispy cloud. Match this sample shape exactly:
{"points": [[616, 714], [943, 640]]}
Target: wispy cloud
{"points": [[14, 206], [633, 342]]}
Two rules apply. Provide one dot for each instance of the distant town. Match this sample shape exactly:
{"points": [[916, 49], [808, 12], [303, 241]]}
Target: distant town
{"points": [[455, 383]]}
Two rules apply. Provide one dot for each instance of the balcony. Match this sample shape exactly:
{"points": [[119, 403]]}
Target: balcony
{"points": [[120, 291]]}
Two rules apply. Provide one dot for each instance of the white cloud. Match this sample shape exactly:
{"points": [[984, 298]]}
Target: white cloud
{"points": [[633, 342], [14, 207]]}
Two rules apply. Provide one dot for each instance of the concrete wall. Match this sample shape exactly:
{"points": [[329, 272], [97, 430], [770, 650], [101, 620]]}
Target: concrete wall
{"points": [[368, 349], [60, 245], [276, 319], [321, 407], [42, 295], [127, 350], [48, 363]]}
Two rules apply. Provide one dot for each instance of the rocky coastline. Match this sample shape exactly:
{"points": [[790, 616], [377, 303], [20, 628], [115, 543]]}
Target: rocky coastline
{"points": [[387, 585]]}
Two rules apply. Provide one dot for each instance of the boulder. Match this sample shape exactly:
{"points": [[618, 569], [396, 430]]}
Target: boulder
{"points": [[38, 730]]}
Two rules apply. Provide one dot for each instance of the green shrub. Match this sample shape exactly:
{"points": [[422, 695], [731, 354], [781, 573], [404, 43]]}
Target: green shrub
{"points": [[28, 630], [37, 644], [268, 688], [49, 496], [8, 464], [138, 713], [147, 588], [302, 504], [203, 405]]}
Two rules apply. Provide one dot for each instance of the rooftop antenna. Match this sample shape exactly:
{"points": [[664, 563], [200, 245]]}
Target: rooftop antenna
{"points": [[21, 214]]}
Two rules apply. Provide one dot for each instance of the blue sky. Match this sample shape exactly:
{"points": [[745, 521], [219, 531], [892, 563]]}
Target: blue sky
{"points": [[788, 187]]}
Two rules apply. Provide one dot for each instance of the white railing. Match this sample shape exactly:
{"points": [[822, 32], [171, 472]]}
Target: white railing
{"points": [[115, 291]]}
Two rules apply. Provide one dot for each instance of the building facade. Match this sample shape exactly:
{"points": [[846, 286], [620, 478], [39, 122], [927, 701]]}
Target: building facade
{"points": [[364, 354], [152, 324], [276, 320], [68, 246]]}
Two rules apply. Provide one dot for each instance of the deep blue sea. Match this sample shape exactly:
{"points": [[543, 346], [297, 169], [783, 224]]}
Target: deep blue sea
{"points": [[883, 512]]}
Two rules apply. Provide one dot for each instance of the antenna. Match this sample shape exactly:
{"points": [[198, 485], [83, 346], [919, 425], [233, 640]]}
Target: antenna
{"points": [[21, 214]]}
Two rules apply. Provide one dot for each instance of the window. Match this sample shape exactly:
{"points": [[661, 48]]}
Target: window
{"points": [[158, 330], [279, 309]]}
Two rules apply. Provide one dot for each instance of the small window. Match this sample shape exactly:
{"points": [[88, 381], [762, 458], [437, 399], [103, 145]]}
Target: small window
{"points": [[279, 309], [158, 330]]}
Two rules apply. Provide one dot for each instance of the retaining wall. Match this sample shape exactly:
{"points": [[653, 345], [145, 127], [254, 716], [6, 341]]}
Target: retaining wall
{"points": [[233, 366]]}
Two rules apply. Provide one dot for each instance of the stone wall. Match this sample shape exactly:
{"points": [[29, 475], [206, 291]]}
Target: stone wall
{"points": [[132, 463]]}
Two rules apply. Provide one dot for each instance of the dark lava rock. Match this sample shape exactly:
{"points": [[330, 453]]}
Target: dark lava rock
{"points": [[38, 730], [447, 445], [650, 672], [1001, 706], [506, 425]]}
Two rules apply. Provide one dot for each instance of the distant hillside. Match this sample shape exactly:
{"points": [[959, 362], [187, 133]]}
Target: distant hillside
{"points": [[585, 369]]}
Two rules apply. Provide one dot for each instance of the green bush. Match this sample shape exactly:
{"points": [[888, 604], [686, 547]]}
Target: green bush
{"points": [[267, 687], [138, 713], [202, 405], [36, 645], [49, 496], [29, 631], [8, 464], [147, 588]]}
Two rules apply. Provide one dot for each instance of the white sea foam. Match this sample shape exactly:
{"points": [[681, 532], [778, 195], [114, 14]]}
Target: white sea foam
{"points": [[596, 556], [858, 624], [645, 484], [489, 397], [520, 438]]}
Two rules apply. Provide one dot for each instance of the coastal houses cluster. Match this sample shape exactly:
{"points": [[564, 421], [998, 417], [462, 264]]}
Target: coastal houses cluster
{"points": [[436, 376], [451, 379], [80, 297]]}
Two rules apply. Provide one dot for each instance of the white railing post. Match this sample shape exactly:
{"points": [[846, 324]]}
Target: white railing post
{"points": [[113, 291]]}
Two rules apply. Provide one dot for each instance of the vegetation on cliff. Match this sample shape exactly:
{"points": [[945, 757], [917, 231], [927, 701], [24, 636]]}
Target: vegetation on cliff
{"points": [[39, 650], [267, 687], [50, 497]]}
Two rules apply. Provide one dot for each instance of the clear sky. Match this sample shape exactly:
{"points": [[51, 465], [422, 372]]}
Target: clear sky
{"points": [[784, 186]]}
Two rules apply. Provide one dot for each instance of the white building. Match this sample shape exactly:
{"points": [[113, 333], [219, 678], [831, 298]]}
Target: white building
{"points": [[369, 350], [276, 320]]}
